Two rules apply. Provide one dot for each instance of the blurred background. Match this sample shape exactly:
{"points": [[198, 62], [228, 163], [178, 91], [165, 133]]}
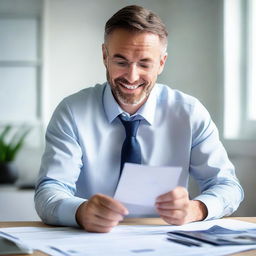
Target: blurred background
{"points": [[52, 48]]}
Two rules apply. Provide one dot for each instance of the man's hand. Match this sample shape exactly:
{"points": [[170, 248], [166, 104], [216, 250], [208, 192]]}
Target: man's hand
{"points": [[176, 208], [100, 213]]}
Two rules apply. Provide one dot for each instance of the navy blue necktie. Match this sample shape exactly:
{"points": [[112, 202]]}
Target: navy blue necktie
{"points": [[131, 152]]}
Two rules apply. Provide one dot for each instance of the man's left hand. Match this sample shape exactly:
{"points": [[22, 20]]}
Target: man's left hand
{"points": [[176, 208]]}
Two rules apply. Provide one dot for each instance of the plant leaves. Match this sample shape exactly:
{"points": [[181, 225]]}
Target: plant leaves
{"points": [[9, 150], [17, 143]]}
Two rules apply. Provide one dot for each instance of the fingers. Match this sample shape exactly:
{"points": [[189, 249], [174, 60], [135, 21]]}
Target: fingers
{"points": [[181, 203], [194, 211], [175, 194], [174, 216], [173, 206], [106, 213], [111, 204], [100, 213], [176, 199], [100, 225], [174, 221]]}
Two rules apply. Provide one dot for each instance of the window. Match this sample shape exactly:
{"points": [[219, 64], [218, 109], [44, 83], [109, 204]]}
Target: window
{"points": [[20, 68], [240, 69], [252, 60]]}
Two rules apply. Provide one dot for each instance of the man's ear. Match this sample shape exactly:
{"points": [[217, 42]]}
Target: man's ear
{"points": [[104, 54], [162, 63]]}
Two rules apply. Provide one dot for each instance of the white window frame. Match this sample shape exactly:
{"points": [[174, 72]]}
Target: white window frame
{"points": [[251, 55], [35, 138], [239, 69]]}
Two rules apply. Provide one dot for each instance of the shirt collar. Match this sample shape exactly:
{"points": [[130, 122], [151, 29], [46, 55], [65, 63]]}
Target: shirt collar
{"points": [[112, 108]]}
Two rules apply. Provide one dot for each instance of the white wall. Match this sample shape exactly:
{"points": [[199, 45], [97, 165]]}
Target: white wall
{"points": [[195, 59]]}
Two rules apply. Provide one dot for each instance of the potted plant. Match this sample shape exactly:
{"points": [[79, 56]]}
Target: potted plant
{"points": [[11, 141]]}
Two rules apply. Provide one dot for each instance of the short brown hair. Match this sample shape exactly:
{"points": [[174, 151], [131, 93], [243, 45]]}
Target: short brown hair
{"points": [[138, 19]]}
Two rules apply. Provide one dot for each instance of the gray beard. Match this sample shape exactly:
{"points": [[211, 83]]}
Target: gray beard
{"points": [[127, 99]]}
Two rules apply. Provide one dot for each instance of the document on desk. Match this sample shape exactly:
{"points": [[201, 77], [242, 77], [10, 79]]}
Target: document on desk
{"points": [[140, 185], [125, 240]]}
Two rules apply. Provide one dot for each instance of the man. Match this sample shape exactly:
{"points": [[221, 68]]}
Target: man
{"points": [[81, 165]]}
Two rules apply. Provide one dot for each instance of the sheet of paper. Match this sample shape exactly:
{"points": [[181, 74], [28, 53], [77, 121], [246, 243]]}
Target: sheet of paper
{"points": [[123, 240], [140, 185]]}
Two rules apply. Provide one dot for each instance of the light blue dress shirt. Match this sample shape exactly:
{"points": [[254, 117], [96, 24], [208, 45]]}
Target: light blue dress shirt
{"points": [[83, 150]]}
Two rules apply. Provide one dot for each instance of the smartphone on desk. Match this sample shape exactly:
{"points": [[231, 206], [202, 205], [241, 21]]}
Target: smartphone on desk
{"points": [[218, 236]]}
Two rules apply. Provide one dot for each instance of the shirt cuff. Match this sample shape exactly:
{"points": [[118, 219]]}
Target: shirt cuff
{"points": [[67, 211], [213, 205]]}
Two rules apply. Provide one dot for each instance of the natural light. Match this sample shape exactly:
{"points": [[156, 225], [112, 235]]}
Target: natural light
{"points": [[232, 77], [239, 69], [252, 60]]}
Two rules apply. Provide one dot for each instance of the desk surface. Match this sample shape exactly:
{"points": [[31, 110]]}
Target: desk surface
{"points": [[132, 221]]}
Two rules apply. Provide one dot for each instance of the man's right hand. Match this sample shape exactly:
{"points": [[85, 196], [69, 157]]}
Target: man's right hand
{"points": [[100, 213]]}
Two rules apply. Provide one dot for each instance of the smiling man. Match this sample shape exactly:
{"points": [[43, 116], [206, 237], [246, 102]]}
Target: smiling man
{"points": [[133, 61], [131, 118]]}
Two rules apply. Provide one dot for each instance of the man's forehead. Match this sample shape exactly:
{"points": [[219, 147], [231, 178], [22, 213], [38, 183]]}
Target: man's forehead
{"points": [[121, 40], [126, 37]]}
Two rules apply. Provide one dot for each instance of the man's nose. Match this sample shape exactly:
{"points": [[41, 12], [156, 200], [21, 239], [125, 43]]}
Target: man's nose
{"points": [[132, 73]]}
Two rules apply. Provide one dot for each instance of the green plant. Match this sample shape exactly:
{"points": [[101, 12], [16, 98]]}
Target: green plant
{"points": [[11, 146]]}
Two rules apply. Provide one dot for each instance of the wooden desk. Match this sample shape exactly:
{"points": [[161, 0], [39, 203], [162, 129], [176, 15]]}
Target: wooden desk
{"points": [[133, 221]]}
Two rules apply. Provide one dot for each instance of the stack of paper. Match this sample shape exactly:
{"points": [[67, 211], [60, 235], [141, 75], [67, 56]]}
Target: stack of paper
{"points": [[123, 240]]}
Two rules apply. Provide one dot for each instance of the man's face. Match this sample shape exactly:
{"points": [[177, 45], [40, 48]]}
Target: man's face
{"points": [[133, 62]]}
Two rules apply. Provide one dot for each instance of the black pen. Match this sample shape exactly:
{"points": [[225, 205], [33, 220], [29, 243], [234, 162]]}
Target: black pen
{"points": [[184, 241], [179, 241], [59, 250]]}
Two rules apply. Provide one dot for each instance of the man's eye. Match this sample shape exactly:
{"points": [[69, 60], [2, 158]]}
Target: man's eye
{"points": [[121, 63], [143, 65]]}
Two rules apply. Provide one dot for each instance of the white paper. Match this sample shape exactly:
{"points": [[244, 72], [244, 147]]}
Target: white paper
{"points": [[125, 240], [140, 185]]}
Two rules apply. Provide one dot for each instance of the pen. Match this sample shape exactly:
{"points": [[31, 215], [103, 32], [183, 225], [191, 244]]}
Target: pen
{"points": [[59, 250], [178, 241], [184, 241]]}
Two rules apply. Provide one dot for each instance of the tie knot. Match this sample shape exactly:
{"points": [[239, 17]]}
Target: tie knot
{"points": [[131, 127]]}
